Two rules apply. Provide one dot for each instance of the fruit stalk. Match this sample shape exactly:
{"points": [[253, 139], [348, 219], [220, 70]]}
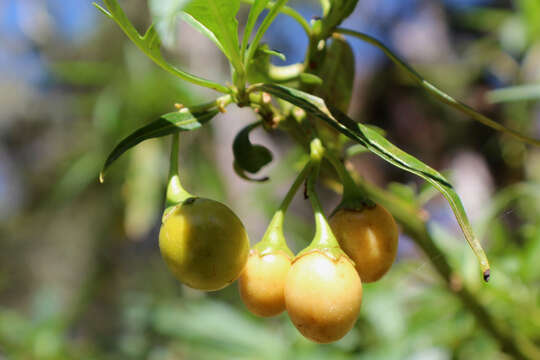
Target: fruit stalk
{"points": [[354, 198], [175, 192], [324, 239], [273, 237]]}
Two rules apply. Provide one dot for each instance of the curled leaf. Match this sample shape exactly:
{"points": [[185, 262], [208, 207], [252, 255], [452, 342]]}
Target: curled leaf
{"points": [[275, 53], [241, 173], [250, 157]]}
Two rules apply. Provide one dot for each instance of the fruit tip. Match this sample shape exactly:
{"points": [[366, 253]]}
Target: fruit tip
{"points": [[487, 275]]}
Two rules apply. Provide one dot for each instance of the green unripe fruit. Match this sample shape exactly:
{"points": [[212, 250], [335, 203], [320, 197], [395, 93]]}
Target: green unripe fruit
{"points": [[203, 243]]}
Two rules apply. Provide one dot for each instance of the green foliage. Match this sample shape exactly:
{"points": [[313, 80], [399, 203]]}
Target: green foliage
{"points": [[167, 124], [274, 11], [436, 92], [216, 19], [122, 304], [337, 74], [247, 156], [149, 43], [254, 12], [334, 12], [377, 144]]}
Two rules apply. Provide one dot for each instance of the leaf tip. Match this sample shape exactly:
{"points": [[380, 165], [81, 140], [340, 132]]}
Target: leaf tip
{"points": [[102, 9], [487, 275], [101, 177]]}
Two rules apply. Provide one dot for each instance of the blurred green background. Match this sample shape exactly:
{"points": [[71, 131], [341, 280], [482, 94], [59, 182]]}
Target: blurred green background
{"points": [[81, 276]]}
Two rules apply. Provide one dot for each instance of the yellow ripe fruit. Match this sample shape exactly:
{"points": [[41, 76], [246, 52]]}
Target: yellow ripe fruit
{"points": [[323, 296], [204, 244], [262, 283], [369, 237]]}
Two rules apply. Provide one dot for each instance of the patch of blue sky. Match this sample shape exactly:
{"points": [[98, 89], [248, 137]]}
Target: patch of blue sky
{"points": [[465, 4]]}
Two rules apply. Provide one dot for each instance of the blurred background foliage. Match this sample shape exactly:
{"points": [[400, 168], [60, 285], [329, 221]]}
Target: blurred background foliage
{"points": [[80, 271]]}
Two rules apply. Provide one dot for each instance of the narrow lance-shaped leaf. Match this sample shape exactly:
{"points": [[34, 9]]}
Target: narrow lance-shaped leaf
{"points": [[377, 144], [167, 124], [275, 53], [218, 17], [254, 12], [337, 72], [274, 11], [149, 43], [438, 93]]}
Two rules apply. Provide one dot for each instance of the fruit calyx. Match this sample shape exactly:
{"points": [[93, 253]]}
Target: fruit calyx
{"points": [[176, 194], [324, 240], [273, 241], [353, 198]]}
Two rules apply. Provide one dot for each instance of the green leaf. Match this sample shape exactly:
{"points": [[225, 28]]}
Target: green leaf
{"points": [[334, 12], [254, 12], [515, 93], [275, 53], [264, 26], [377, 144], [436, 92], [167, 124], [150, 44], [242, 173], [286, 11], [218, 17], [202, 29], [337, 73], [310, 79], [530, 10], [258, 68], [405, 192], [165, 14], [355, 149], [249, 157]]}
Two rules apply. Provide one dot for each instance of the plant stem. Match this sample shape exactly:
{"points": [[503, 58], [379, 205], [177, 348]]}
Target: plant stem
{"points": [[175, 192], [323, 235], [324, 239], [274, 11], [273, 238], [282, 74], [294, 188], [221, 101], [353, 195]]}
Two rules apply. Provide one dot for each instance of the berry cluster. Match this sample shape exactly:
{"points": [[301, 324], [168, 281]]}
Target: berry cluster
{"points": [[206, 247]]}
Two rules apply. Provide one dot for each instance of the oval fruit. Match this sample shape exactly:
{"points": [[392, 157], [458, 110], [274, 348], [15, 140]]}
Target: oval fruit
{"points": [[262, 283], [323, 296], [369, 237], [203, 243]]}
